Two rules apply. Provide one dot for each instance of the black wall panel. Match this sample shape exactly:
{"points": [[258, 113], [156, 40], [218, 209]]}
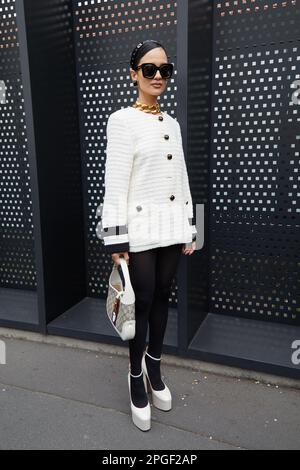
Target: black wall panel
{"points": [[48, 67], [255, 215], [17, 255], [199, 79]]}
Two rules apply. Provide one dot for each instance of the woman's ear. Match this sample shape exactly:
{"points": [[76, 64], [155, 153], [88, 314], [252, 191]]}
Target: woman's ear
{"points": [[133, 75]]}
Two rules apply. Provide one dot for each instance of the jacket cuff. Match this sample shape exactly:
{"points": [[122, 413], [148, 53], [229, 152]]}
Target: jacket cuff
{"points": [[115, 239], [116, 248]]}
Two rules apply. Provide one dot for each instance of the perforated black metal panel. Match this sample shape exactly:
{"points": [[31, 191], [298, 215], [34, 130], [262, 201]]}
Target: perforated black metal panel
{"points": [[105, 34], [255, 168], [198, 149], [250, 23], [17, 261]]}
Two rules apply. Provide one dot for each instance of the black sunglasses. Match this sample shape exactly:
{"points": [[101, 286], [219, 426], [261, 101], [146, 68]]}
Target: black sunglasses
{"points": [[149, 70]]}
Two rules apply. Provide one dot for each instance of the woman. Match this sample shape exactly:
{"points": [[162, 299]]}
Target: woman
{"points": [[147, 217]]}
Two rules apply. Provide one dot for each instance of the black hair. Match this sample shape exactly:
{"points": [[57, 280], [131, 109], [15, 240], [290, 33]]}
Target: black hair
{"points": [[141, 49]]}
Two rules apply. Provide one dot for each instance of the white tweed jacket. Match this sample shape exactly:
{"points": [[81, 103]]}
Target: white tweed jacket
{"points": [[147, 200]]}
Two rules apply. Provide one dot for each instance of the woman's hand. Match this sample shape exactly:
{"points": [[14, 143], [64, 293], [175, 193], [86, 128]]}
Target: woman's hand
{"points": [[189, 248], [116, 257]]}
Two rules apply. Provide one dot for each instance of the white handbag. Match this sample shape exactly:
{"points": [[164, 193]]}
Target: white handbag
{"points": [[120, 303]]}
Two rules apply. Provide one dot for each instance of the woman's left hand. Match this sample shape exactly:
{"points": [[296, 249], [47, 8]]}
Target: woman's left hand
{"points": [[189, 248]]}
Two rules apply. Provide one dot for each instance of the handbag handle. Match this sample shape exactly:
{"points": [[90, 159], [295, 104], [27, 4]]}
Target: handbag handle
{"points": [[129, 292], [125, 271]]}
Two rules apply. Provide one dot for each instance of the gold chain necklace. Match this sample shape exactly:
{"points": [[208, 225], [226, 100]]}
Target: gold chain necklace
{"points": [[146, 108]]}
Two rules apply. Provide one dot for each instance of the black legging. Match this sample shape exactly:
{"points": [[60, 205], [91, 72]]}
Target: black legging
{"points": [[151, 274]]}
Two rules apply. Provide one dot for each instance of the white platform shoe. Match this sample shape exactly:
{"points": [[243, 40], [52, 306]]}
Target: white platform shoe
{"points": [[140, 416], [162, 399]]}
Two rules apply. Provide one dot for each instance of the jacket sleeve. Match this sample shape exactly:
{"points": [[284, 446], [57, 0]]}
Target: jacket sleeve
{"points": [[187, 190], [118, 166]]}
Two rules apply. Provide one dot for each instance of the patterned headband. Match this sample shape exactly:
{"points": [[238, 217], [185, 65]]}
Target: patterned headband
{"points": [[134, 53]]}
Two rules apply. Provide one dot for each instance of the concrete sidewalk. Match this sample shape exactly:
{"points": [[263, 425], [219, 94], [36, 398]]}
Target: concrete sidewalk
{"points": [[59, 393]]}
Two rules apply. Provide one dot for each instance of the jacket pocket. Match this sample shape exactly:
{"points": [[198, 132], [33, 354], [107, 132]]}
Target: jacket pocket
{"points": [[143, 224]]}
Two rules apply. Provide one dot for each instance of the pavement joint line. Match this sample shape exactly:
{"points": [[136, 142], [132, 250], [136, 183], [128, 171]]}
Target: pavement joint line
{"points": [[74, 400], [196, 365]]}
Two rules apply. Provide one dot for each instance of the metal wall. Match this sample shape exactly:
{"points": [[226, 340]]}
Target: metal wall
{"points": [[254, 178], [17, 257]]}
